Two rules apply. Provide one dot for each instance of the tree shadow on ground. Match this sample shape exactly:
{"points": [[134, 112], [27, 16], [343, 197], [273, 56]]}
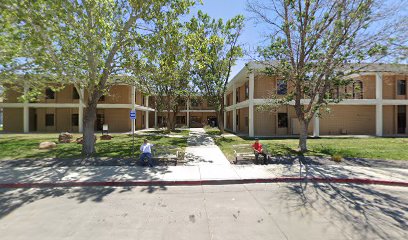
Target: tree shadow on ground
{"points": [[12, 199], [362, 211]]}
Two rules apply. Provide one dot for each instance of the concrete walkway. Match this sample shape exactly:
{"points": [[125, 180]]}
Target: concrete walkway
{"points": [[202, 150], [200, 172]]}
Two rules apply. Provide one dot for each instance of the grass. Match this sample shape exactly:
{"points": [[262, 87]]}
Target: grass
{"points": [[371, 148], [23, 146], [183, 132], [213, 131]]}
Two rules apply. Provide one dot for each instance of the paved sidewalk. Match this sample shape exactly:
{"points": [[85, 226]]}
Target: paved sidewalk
{"points": [[202, 150], [200, 172]]}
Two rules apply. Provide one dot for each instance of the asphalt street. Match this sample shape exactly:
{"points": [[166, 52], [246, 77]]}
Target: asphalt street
{"points": [[251, 211]]}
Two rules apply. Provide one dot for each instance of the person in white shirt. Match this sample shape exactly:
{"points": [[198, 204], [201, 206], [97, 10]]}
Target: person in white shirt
{"points": [[146, 150]]}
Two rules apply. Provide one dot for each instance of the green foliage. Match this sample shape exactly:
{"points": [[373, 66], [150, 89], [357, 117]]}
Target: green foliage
{"points": [[315, 45], [215, 49]]}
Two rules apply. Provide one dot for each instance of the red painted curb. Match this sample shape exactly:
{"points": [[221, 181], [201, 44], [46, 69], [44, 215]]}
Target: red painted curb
{"points": [[202, 182]]}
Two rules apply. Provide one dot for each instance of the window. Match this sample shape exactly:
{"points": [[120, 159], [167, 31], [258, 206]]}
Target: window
{"points": [[237, 93], [237, 118], [282, 87], [246, 90], [358, 89], [75, 94], [143, 100], [49, 94], [49, 120], [75, 119], [246, 121], [102, 98], [401, 87], [282, 120]]}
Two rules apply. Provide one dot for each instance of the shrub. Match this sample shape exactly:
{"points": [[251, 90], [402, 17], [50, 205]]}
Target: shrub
{"points": [[336, 158]]}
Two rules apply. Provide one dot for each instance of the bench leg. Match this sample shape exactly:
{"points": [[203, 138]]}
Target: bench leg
{"points": [[236, 160]]}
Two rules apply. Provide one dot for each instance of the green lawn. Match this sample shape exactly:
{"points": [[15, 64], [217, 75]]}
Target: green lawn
{"points": [[212, 131], [372, 148], [183, 132], [17, 146]]}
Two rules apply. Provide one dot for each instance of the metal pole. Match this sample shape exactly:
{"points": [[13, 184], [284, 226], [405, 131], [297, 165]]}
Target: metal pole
{"points": [[133, 140]]}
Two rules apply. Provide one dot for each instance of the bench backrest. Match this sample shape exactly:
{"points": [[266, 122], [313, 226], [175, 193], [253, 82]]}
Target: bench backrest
{"points": [[242, 148]]}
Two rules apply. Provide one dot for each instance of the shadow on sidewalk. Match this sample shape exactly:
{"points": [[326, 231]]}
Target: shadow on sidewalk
{"points": [[12, 199], [363, 211]]}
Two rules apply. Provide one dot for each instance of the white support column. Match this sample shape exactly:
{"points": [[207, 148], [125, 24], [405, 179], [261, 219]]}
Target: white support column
{"points": [[26, 113], [251, 105], [234, 109], [225, 112], [188, 112], [378, 106], [81, 112], [146, 112], [316, 125], [133, 100]]}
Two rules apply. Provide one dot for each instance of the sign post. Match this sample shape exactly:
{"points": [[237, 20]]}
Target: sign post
{"points": [[133, 118]]}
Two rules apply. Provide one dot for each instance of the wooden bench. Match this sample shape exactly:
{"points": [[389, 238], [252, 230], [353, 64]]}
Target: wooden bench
{"points": [[168, 154], [245, 151]]}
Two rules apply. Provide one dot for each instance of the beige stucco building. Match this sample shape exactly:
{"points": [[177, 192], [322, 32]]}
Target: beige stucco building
{"points": [[379, 107], [64, 111]]}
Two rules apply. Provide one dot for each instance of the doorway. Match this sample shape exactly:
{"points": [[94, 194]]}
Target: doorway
{"points": [[402, 119], [212, 121]]}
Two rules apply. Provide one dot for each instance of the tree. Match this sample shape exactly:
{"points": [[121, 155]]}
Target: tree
{"points": [[169, 63], [215, 50], [85, 43], [316, 44]]}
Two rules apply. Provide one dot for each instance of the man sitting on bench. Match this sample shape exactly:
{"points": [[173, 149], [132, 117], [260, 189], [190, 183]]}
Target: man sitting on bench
{"points": [[257, 147], [146, 150]]}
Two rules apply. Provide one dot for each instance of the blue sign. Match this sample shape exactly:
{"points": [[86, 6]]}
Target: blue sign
{"points": [[132, 115]]}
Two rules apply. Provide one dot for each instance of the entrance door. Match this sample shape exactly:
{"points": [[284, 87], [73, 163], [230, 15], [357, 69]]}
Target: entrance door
{"points": [[212, 121], [402, 119]]}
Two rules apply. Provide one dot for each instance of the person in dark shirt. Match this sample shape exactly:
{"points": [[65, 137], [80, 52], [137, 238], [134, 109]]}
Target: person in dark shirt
{"points": [[257, 147]]}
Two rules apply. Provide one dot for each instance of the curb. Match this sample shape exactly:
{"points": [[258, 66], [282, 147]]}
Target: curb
{"points": [[203, 182]]}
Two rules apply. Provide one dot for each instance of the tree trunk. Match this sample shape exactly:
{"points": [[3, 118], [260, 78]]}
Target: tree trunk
{"points": [[303, 136], [88, 144], [168, 123], [220, 118]]}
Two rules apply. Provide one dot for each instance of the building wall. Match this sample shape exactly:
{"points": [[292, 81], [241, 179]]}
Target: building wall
{"points": [[242, 125], [13, 119], [264, 86], [368, 86], [264, 123], [11, 95], [229, 99], [229, 120], [348, 120], [389, 87], [118, 120], [118, 94], [389, 120]]}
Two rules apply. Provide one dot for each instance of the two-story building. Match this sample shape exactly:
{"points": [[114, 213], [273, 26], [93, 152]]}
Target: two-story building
{"points": [[378, 106], [64, 111]]}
